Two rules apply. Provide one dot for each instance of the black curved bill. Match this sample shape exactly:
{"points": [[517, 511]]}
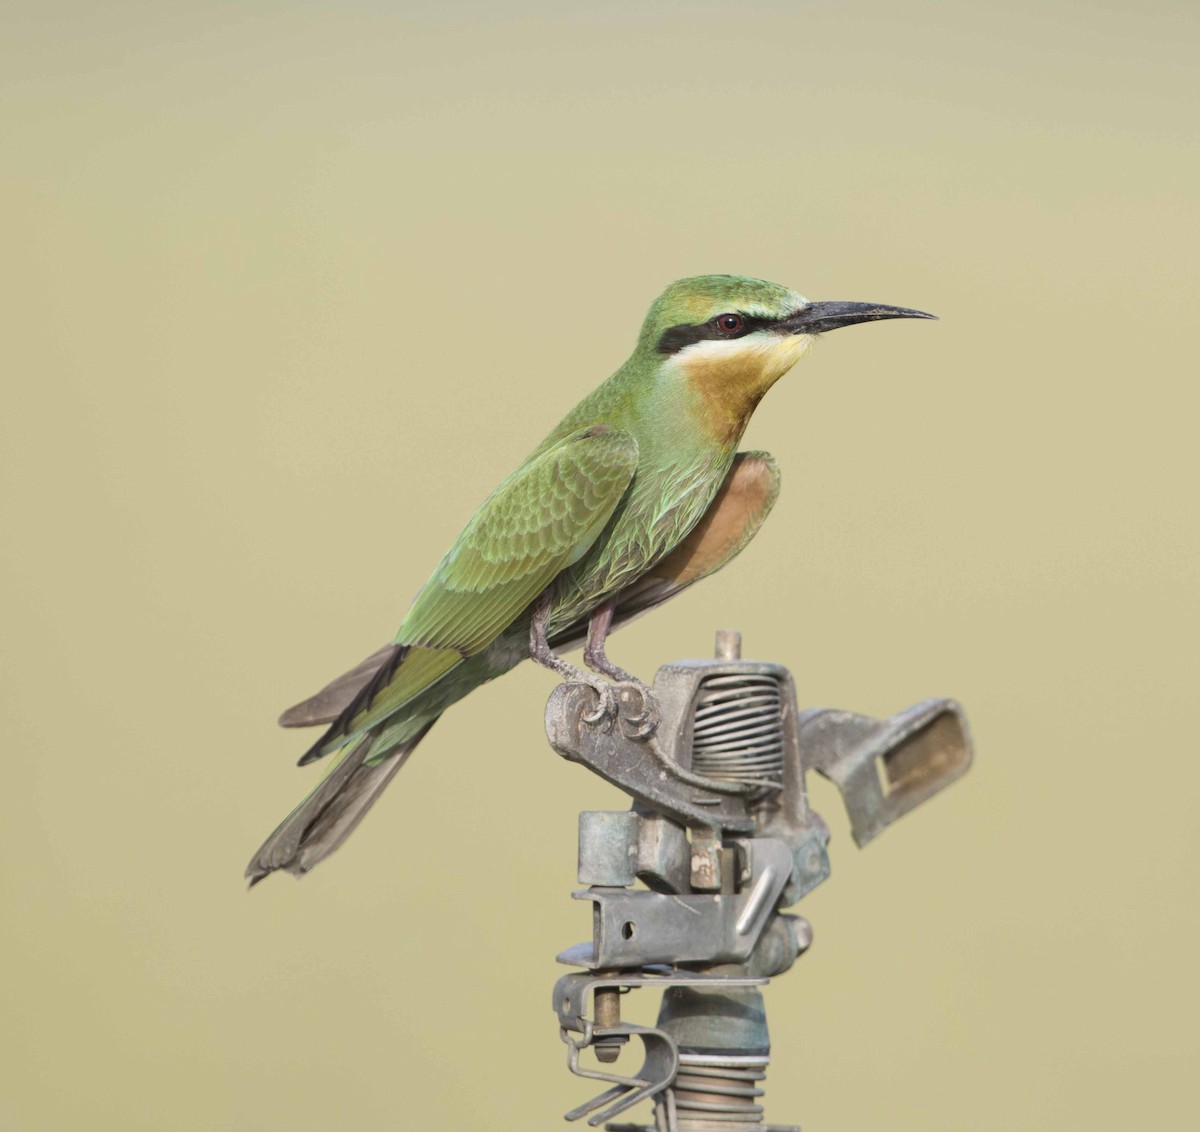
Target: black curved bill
{"points": [[817, 318]]}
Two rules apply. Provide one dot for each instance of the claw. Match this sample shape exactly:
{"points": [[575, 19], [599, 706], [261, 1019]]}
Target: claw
{"points": [[607, 709], [643, 722]]}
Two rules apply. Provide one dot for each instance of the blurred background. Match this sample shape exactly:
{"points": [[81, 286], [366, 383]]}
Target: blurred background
{"points": [[290, 286]]}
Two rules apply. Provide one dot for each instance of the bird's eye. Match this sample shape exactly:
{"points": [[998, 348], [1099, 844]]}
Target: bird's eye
{"points": [[730, 323]]}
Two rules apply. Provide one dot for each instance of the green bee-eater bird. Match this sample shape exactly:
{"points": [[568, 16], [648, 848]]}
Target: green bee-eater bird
{"points": [[639, 492]]}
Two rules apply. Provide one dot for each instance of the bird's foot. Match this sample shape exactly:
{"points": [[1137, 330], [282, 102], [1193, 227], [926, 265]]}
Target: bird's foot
{"points": [[637, 709], [607, 710]]}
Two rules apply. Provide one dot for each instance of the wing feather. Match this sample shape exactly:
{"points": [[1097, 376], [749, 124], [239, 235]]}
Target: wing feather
{"points": [[542, 519]]}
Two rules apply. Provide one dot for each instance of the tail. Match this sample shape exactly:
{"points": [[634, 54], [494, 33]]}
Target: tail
{"points": [[317, 826], [406, 689]]}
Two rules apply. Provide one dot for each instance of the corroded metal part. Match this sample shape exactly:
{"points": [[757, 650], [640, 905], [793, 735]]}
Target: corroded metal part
{"points": [[636, 928], [608, 847], [660, 1067], [885, 768], [722, 836], [645, 768], [664, 861], [571, 995]]}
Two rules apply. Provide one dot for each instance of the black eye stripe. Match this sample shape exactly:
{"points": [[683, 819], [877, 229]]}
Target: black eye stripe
{"points": [[676, 338]]}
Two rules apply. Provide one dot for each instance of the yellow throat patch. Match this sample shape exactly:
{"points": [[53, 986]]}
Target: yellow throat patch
{"points": [[730, 377]]}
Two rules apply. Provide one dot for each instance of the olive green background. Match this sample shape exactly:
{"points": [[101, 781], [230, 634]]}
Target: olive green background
{"points": [[289, 287]]}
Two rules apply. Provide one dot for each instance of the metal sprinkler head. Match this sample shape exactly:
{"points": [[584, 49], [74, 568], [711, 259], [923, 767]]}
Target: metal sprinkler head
{"points": [[721, 838]]}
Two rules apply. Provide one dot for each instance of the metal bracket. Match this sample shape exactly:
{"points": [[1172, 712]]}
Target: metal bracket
{"points": [[633, 928], [884, 768], [656, 1073], [642, 767], [661, 1063]]}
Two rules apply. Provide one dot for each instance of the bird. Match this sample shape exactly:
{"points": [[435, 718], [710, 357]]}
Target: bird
{"points": [[638, 493]]}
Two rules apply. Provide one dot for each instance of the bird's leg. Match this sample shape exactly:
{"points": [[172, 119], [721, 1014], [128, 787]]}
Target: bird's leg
{"points": [[593, 652], [597, 660], [541, 653]]}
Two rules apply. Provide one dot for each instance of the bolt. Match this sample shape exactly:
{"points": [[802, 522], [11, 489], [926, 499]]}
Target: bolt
{"points": [[729, 644], [607, 1001]]}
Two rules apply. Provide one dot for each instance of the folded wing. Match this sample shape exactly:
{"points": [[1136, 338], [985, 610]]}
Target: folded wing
{"points": [[539, 521]]}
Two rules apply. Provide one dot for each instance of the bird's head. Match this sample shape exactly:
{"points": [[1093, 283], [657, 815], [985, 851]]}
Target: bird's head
{"points": [[731, 338]]}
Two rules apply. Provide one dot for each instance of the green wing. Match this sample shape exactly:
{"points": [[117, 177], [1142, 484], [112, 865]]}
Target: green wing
{"points": [[541, 520]]}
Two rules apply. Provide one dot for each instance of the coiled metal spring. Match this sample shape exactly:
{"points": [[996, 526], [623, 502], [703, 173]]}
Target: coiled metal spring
{"points": [[718, 1090], [737, 731]]}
